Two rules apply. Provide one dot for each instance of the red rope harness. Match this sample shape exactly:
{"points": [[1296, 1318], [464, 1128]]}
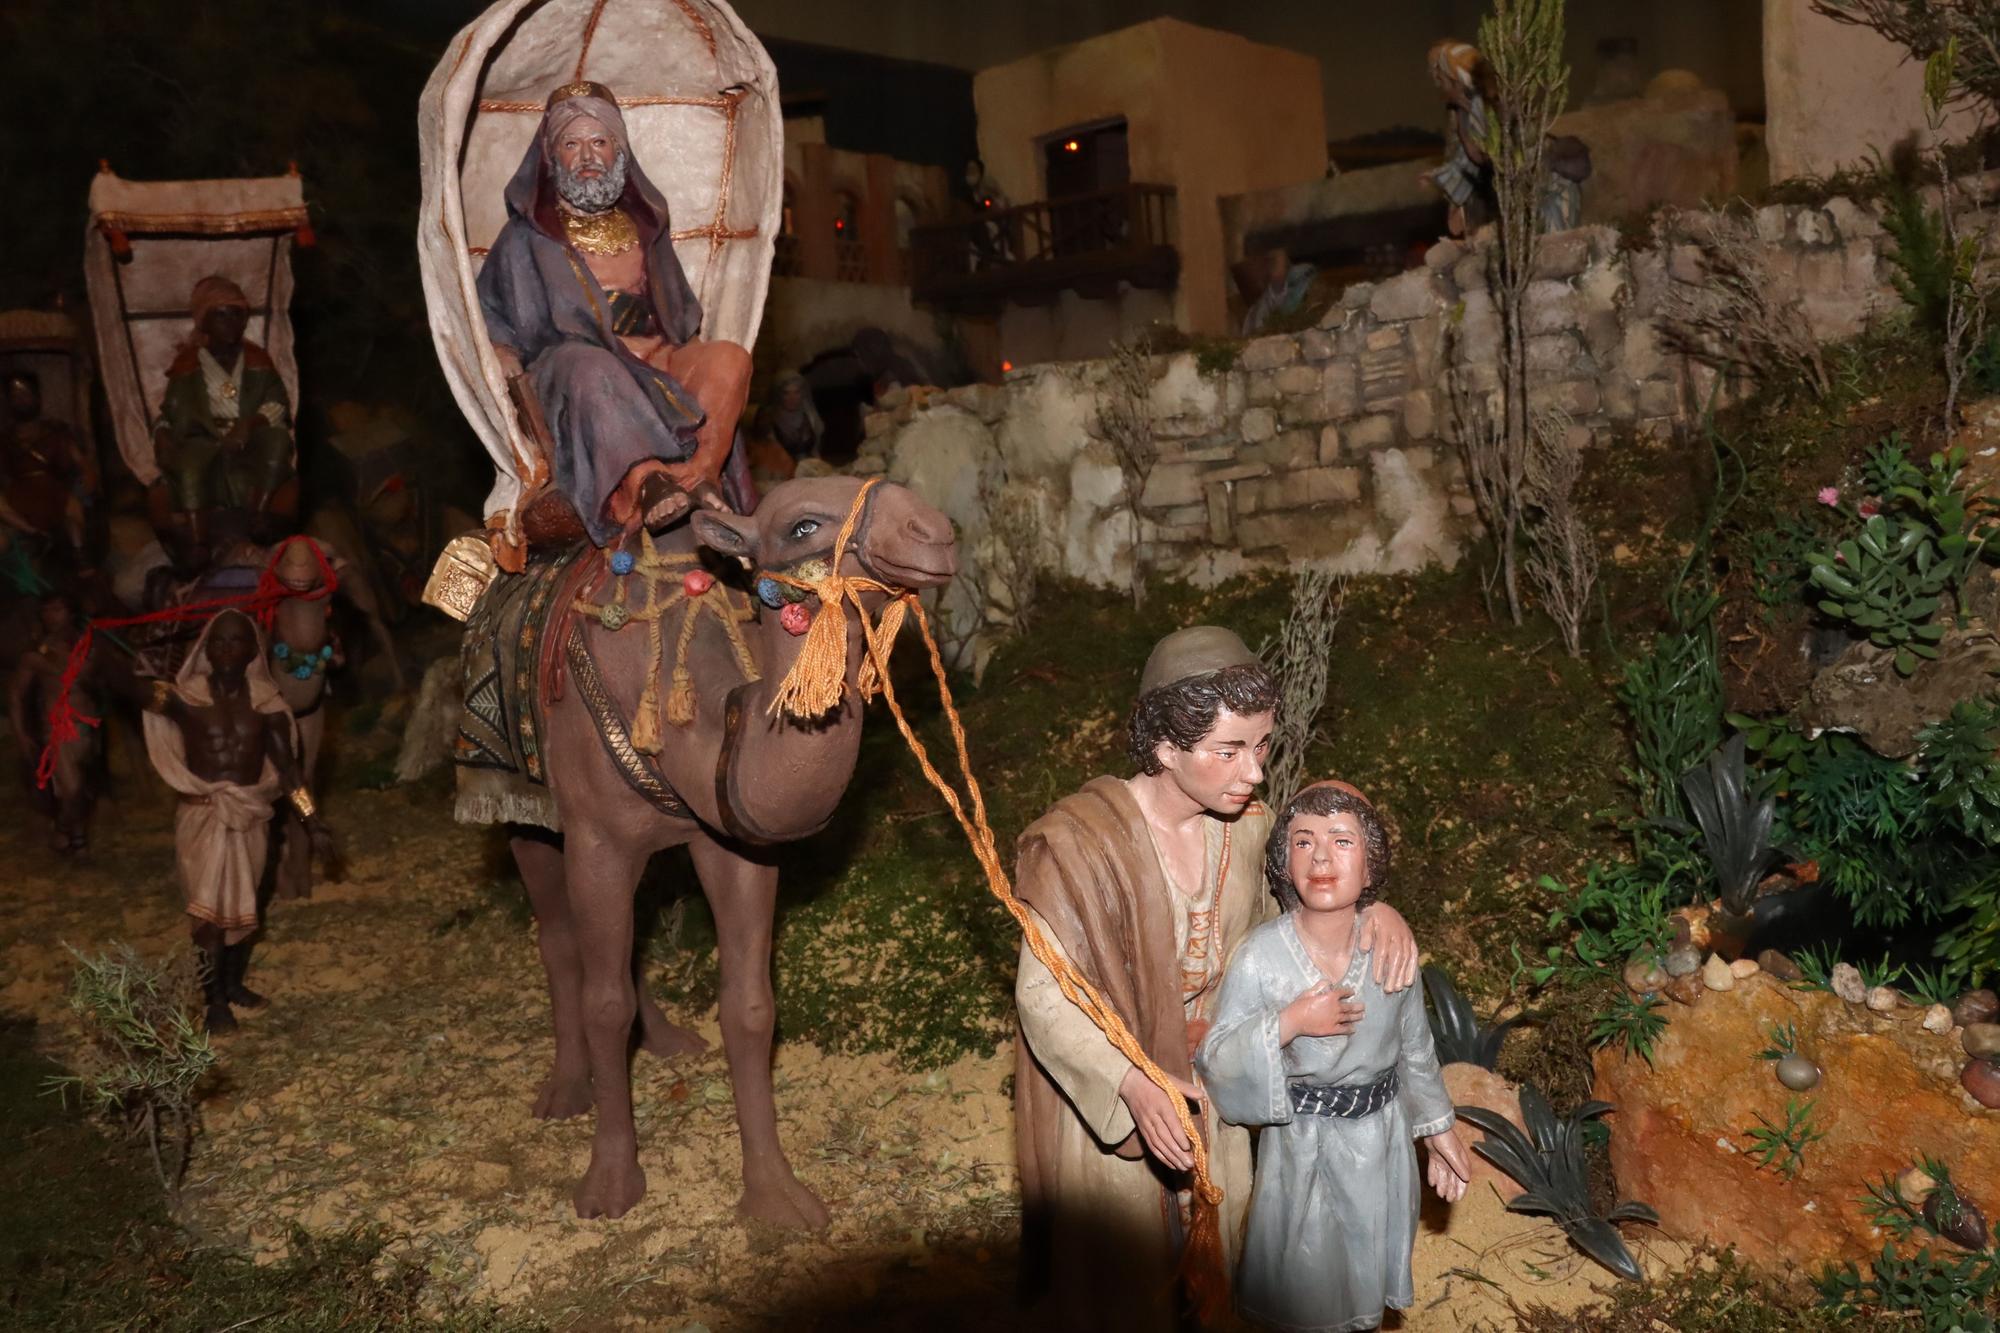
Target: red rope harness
{"points": [[65, 721]]}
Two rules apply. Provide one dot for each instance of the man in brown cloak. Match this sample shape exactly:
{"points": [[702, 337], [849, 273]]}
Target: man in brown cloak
{"points": [[1146, 885]]}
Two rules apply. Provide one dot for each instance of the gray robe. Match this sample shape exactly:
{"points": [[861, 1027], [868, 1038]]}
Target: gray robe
{"points": [[1333, 1213], [607, 410]]}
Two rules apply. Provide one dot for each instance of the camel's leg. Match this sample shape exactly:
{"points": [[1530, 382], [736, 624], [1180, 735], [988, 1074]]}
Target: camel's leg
{"points": [[601, 875], [743, 895], [657, 1036], [566, 1091]]}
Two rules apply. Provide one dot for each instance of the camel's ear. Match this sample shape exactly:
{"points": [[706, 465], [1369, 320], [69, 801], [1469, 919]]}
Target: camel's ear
{"points": [[730, 534]]}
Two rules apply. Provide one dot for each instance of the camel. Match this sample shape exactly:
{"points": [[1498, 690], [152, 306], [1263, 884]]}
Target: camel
{"points": [[763, 780]]}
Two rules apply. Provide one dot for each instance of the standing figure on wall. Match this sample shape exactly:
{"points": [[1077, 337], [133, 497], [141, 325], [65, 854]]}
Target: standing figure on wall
{"points": [[224, 437], [1465, 179], [583, 295], [1146, 885]]}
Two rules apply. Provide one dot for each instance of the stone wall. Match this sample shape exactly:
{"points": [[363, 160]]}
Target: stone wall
{"points": [[1335, 445]]}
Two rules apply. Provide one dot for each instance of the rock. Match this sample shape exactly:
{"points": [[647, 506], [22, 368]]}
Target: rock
{"points": [[1975, 1006], [1888, 1091], [1937, 1019], [1779, 965], [1404, 297], [1744, 968], [1916, 1184], [1715, 974], [1847, 983], [1683, 960], [1686, 989], [1882, 999], [1982, 1040], [1798, 1073], [1957, 1219], [1981, 1078], [1470, 1085], [1644, 976], [1862, 691]]}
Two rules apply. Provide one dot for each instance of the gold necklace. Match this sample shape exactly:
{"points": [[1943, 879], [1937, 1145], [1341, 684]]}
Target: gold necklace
{"points": [[608, 233]]}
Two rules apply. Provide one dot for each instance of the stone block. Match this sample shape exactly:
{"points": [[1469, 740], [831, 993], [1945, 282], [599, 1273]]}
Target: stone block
{"points": [[1315, 345], [1296, 380], [1235, 472], [1853, 221], [1464, 506], [1426, 337], [1221, 515], [1422, 457], [1328, 485], [1469, 273], [1257, 425], [1562, 254], [1813, 227], [1329, 443], [877, 424], [1384, 377], [1618, 398], [1406, 296], [1444, 254], [1279, 349], [1772, 224], [1659, 398], [1340, 389], [1370, 432], [1357, 295], [1384, 339], [1556, 354], [1171, 484], [1419, 415], [1579, 398], [1551, 306]]}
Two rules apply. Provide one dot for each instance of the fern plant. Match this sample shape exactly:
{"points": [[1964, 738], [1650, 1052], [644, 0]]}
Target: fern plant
{"points": [[1634, 1022], [1457, 1031], [1783, 1147], [1549, 1163]]}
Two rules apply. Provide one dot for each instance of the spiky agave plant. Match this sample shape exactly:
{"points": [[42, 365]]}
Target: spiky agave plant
{"points": [[1735, 827], [1548, 1161], [1457, 1030]]}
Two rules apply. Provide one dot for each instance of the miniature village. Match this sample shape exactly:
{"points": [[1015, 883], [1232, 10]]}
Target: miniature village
{"points": [[1122, 667]]}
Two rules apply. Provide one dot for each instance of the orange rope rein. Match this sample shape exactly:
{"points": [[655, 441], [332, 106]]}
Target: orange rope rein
{"points": [[818, 678]]}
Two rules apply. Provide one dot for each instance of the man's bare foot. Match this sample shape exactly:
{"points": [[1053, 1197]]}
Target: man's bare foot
{"points": [[661, 501]]}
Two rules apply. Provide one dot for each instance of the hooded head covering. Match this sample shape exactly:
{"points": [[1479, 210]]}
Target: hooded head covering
{"points": [[191, 681], [1195, 651], [531, 194], [211, 292], [1454, 62]]}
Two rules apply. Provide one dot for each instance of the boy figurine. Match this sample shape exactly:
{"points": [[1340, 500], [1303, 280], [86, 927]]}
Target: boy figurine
{"points": [[221, 735], [1333, 1216], [1145, 885]]}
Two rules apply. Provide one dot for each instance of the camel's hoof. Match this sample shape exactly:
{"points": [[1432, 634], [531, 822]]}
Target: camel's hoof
{"points": [[667, 1040], [609, 1191], [783, 1202], [563, 1098]]}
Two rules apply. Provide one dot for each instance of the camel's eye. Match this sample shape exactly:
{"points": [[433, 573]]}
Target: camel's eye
{"points": [[804, 528]]}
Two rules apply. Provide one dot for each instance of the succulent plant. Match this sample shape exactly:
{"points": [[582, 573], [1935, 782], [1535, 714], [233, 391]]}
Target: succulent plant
{"points": [[1459, 1035], [1735, 827], [1548, 1161]]}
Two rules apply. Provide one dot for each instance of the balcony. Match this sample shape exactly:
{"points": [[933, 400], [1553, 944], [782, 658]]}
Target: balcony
{"points": [[1031, 254]]}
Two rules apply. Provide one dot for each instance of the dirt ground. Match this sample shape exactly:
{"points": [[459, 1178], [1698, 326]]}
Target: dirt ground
{"points": [[389, 1083]]}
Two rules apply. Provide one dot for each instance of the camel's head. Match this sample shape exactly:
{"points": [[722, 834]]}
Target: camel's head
{"points": [[899, 538]]}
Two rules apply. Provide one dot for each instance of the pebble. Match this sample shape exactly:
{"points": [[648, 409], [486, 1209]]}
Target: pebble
{"points": [[1798, 1073], [1916, 1184], [1883, 999], [1975, 1006], [1847, 983], [1779, 966], [1715, 974], [1982, 1040], [1683, 960], [1687, 989], [1644, 976], [1982, 1079], [1744, 968], [1937, 1019]]}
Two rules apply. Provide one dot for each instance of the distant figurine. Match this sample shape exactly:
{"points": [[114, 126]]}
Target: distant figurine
{"points": [[49, 473], [984, 199], [221, 736], [38, 679], [224, 437], [1466, 176], [582, 293], [1145, 885], [791, 419], [1333, 1216], [1284, 289]]}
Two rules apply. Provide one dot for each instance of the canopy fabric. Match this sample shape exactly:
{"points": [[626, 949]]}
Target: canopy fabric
{"points": [[178, 233], [700, 98]]}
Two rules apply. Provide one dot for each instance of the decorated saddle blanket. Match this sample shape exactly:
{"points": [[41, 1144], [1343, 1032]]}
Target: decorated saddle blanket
{"points": [[506, 668]]}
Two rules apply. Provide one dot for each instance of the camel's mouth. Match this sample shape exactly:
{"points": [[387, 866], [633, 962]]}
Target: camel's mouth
{"points": [[929, 569]]}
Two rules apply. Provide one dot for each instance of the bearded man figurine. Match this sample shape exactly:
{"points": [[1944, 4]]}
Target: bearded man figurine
{"points": [[582, 293]]}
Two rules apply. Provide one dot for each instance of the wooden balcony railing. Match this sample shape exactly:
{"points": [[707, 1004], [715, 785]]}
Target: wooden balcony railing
{"points": [[1030, 254]]}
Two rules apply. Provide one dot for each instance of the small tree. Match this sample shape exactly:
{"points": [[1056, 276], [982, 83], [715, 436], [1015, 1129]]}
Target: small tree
{"points": [[1300, 658], [1969, 291], [145, 1053], [1562, 554], [1522, 41], [1125, 418]]}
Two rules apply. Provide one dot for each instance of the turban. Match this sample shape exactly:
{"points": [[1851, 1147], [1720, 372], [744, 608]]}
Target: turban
{"points": [[213, 292], [575, 100]]}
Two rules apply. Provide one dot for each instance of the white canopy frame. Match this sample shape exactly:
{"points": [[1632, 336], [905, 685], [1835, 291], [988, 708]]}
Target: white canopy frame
{"points": [[700, 98], [147, 245]]}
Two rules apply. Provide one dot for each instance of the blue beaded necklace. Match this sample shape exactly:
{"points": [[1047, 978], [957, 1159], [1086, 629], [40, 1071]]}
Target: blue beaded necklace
{"points": [[308, 665]]}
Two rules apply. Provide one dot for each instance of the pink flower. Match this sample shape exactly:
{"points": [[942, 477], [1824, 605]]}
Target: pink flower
{"points": [[1869, 507], [1829, 496]]}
